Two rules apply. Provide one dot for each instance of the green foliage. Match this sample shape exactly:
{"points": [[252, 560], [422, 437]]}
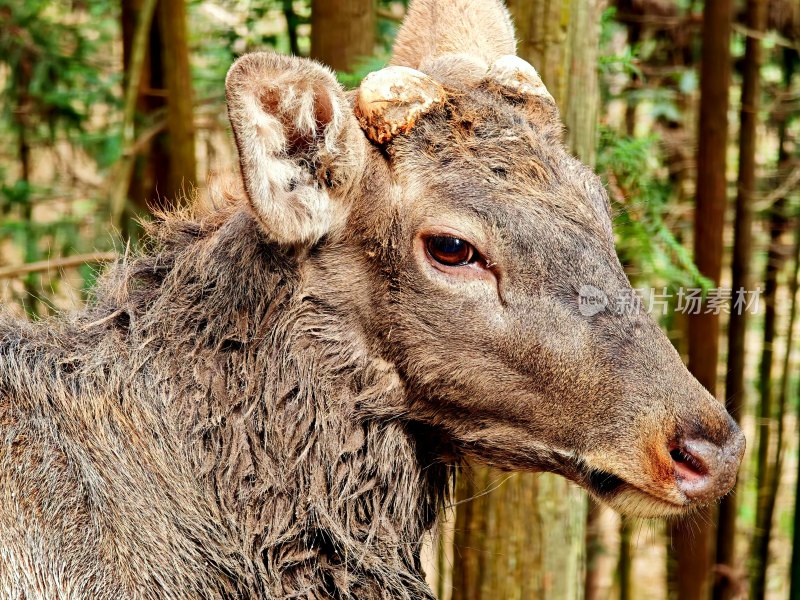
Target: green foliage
{"points": [[364, 68], [662, 103], [53, 62], [641, 197], [624, 62], [234, 27], [58, 79]]}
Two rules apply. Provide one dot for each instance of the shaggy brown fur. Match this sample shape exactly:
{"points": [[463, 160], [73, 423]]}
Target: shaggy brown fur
{"points": [[269, 402], [220, 435]]}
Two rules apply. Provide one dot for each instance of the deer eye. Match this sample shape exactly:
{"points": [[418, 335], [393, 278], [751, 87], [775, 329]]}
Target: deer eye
{"points": [[450, 251]]}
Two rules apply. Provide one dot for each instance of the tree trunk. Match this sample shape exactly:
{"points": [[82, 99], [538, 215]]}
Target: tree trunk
{"points": [[151, 165], [560, 39], [526, 539], [791, 58], [794, 587], [594, 549], [776, 468], [497, 530], [23, 75], [625, 559], [634, 38], [292, 21], [724, 586], [760, 548], [766, 458], [182, 172], [691, 536], [342, 32], [167, 165]]}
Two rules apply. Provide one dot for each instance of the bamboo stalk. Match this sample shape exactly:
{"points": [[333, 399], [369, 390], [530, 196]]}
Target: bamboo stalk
{"points": [[794, 586], [783, 394], [691, 537], [735, 388], [774, 470], [124, 167], [625, 563], [778, 222]]}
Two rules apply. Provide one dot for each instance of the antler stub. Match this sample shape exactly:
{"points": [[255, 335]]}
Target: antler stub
{"points": [[519, 76], [391, 100]]}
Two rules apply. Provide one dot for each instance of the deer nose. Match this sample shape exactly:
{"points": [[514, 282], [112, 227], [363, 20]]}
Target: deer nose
{"points": [[705, 471]]}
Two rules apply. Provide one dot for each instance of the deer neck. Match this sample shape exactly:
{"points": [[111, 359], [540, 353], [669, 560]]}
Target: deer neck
{"points": [[297, 432]]}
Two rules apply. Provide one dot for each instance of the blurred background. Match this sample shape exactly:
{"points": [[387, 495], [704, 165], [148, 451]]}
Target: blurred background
{"points": [[688, 110]]}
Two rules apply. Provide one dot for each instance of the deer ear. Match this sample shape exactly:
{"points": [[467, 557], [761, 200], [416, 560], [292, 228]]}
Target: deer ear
{"points": [[293, 129], [481, 29]]}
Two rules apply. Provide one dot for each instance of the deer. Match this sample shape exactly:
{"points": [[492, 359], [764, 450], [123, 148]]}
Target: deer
{"points": [[270, 400]]}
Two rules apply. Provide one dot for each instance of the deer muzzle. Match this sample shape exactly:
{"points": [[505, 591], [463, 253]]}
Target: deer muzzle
{"points": [[704, 470]]}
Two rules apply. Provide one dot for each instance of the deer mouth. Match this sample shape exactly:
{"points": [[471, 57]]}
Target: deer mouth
{"points": [[603, 483], [626, 497]]}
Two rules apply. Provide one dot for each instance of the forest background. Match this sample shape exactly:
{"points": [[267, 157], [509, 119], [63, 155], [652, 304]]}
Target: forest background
{"points": [[112, 109]]}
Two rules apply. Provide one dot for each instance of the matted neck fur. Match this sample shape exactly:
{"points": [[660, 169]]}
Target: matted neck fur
{"points": [[270, 401]]}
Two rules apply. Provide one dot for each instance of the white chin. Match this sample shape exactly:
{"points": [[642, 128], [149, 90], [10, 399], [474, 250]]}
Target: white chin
{"points": [[631, 502]]}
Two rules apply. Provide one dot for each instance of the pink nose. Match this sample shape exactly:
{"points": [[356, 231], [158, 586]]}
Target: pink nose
{"points": [[705, 471]]}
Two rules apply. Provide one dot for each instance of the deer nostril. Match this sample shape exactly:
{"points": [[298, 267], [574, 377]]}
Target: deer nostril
{"points": [[705, 471], [686, 464]]}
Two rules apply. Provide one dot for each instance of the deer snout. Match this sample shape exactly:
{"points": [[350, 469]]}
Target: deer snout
{"points": [[705, 470]]}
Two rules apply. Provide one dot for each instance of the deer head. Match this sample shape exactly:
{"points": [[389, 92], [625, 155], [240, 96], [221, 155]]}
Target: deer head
{"points": [[438, 210]]}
